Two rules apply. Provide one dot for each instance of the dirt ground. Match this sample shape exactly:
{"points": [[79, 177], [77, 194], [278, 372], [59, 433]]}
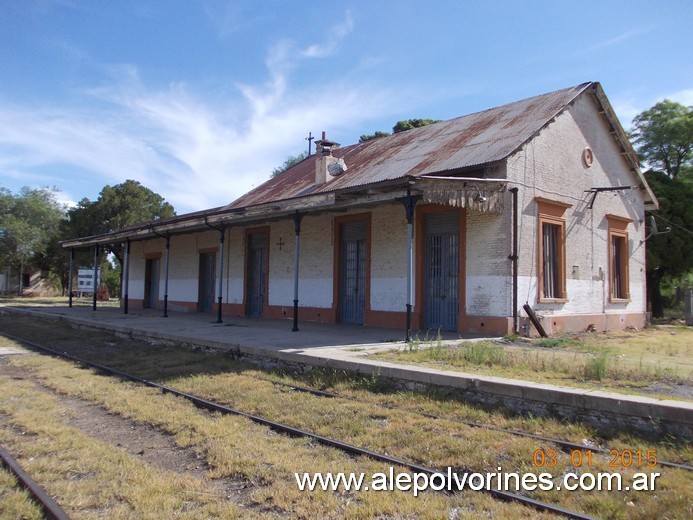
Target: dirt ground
{"points": [[154, 447]]}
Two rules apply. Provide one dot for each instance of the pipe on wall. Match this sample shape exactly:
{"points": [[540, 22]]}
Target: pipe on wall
{"points": [[514, 257]]}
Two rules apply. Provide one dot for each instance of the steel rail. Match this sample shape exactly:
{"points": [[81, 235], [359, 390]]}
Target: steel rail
{"points": [[473, 424], [558, 442], [51, 509], [296, 432]]}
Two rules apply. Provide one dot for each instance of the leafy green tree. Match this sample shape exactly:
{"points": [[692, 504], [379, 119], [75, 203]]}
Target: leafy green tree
{"points": [[290, 161], [663, 136], [111, 277], [400, 126], [126, 204], [29, 223], [376, 135], [408, 124], [669, 255]]}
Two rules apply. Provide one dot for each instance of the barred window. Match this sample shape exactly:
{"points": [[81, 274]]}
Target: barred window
{"points": [[618, 258], [552, 275], [551, 245]]}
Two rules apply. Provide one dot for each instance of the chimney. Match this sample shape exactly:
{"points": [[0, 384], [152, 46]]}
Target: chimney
{"points": [[326, 166]]}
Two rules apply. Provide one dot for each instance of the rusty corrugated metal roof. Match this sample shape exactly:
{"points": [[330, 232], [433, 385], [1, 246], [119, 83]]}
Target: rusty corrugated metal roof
{"points": [[472, 140]]}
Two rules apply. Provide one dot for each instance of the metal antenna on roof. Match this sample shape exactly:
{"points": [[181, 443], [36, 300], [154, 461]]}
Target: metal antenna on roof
{"points": [[310, 142]]}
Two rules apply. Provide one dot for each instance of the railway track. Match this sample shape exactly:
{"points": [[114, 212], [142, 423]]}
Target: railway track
{"points": [[567, 445], [285, 429], [51, 509]]}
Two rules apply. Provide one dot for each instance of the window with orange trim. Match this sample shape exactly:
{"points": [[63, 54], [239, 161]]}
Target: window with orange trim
{"points": [[619, 282], [551, 245]]}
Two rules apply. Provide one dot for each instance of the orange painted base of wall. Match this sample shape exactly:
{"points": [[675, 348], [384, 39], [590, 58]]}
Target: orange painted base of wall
{"points": [[554, 325], [483, 325], [486, 325]]}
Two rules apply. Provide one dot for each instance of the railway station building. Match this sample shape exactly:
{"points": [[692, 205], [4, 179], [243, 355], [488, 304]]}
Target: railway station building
{"points": [[466, 225]]}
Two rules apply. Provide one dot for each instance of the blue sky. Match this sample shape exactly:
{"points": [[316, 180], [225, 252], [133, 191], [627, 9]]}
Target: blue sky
{"points": [[200, 100]]}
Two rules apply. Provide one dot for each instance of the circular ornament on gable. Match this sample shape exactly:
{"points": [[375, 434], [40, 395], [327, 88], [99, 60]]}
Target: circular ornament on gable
{"points": [[587, 156]]}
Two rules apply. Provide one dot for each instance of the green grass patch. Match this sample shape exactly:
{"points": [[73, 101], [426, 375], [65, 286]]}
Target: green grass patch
{"points": [[629, 360]]}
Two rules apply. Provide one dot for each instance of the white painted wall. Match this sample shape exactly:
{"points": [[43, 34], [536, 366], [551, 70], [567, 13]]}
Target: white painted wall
{"points": [[489, 282], [316, 262], [389, 259], [551, 166]]}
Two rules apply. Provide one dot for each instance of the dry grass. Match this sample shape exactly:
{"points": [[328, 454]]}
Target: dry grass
{"points": [[234, 447], [622, 361], [62, 301], [15, 502], [94, 479]]}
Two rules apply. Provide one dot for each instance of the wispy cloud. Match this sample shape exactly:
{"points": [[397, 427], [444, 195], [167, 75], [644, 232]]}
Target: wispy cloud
{"points": [[196, 150], [610, 42], [617, 39], [685, 96], [337, 33]]}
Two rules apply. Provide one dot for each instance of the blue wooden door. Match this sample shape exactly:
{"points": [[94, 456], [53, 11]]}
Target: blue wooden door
{"points": [[205, 299], [352, 294], [257, 273], [442, 259]]}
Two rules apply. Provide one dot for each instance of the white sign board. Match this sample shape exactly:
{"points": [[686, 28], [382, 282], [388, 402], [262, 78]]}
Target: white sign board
{"points": [[85, 280]]}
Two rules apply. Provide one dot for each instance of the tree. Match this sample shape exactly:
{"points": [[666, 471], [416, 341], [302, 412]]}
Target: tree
{"points": [[29, 222], [117, 207], [669, 255], [376, 135], [290, 161], [400, 126], [408, 124], [663, 136]]}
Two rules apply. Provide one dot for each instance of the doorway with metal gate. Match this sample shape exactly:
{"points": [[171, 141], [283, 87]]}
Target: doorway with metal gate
{"points": [[256, 283], [352, 275], [205, 294], [152, 268], [441, 270]]}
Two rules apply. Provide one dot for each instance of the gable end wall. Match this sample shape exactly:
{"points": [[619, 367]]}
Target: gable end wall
{"points": [[551, 167]]}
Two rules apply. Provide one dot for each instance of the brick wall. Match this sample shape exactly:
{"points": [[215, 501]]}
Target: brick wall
{"points": [[551, 166], [488, 282], [389, 258]]}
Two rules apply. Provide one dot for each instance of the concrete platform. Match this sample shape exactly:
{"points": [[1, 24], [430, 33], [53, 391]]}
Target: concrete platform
{"points": [[345, 347]]}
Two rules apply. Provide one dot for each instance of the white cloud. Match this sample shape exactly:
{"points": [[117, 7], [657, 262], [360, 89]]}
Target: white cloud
{"points": [[198, 151], [336, 34], [685, 96], [87, 141], [628, 106], [617, 39]]}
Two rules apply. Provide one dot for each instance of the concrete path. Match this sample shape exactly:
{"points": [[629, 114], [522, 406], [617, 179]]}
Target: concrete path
{"points": [[345, 347]]}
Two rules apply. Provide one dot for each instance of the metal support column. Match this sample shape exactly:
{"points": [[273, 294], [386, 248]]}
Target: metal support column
{"points": [[410, 275], [96, 274], [222, 233], [409, 204], [126, 276], [168, 255], [220, 284], [297, 243], [70, 282], [513, 257]]}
